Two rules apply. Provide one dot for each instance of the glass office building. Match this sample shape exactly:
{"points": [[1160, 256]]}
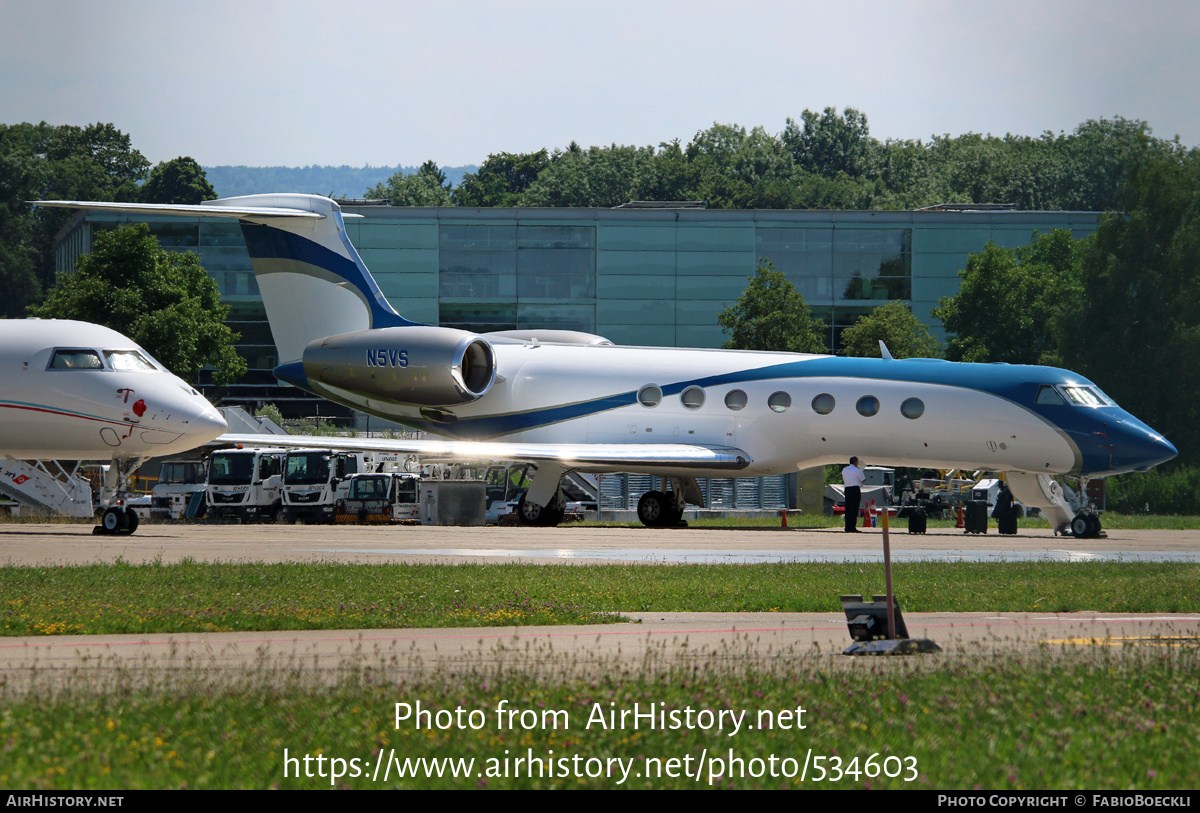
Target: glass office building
{"points": [[642, 276]]}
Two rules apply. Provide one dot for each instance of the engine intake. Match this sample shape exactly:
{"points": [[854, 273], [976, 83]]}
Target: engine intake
{"points": [[418, 365]]}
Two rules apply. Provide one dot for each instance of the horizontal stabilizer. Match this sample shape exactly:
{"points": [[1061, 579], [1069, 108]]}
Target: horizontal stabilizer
{"points": [[192, 210], [579, 456]]}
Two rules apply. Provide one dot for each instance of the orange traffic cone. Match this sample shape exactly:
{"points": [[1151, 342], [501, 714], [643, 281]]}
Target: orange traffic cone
{"points": [[783, 518], [958, 513]]}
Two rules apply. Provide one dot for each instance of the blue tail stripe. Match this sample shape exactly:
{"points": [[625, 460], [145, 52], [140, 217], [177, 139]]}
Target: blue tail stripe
{"points": [[265, 242]]}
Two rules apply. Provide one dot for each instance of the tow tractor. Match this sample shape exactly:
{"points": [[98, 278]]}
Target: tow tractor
{"points": [[385, 497]]}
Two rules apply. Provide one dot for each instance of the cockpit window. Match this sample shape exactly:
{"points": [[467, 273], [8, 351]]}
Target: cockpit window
{"points": [[1048, 395], [76, 360], [1083, 396], [123, 360]]}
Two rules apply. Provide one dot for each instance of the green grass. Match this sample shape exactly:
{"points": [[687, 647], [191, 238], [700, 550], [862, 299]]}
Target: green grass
{"points": [[1098, 719], [200, 597]]}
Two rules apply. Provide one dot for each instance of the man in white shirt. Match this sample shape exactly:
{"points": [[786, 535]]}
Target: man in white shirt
{"points": [[852, 479]]}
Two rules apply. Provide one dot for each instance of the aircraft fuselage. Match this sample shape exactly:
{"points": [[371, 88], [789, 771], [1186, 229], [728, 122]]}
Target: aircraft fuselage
{"points": [[790, 411]]}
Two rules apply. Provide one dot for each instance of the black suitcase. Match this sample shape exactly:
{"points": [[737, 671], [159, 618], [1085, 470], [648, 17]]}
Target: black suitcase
{"points": [[976, 519], [916, 520], [1007, 523]]}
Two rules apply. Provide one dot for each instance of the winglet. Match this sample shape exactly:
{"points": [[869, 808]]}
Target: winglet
{"points": [[887, 354]]}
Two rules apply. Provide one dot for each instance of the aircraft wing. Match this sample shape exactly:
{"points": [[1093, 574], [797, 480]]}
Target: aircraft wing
{"points": [[579, 456]]}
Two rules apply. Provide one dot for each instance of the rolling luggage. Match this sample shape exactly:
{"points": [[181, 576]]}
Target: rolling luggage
{"points": [[916, 520], [976, 518]]}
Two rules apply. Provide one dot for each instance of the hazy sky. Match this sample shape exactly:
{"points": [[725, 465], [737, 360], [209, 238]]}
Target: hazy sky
{"points": [[296, 82]]}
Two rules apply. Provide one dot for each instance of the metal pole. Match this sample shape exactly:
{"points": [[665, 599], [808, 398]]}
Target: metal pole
{"points": [[887, 577]]}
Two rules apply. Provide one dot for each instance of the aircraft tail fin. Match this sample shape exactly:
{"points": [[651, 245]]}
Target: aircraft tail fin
{"points": [[312, 280]]}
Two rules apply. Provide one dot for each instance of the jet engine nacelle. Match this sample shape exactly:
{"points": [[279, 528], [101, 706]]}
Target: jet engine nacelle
{"points": [[418, 365]]}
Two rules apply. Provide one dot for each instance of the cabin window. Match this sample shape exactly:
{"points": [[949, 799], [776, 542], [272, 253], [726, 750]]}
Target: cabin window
{"points": [[779, 402], [650, 395], [693, 397], [867, 406], [1049, 395], [823, 404], [912, 408], [736, 399], [76, 360], [125, 360]]}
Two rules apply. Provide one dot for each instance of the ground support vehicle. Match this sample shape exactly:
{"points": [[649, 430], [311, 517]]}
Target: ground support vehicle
{"points": [[383, 497], [177, 481], [245, 484], [315, 479]]}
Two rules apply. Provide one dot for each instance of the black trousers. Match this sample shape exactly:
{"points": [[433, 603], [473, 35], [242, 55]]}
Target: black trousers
{"points": [[853, 500]]}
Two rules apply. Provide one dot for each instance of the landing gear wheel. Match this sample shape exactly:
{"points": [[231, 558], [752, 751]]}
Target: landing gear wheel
{"points": [[114, 521], [131, 520], [1085, 526], [532, 514], [654, 509]]}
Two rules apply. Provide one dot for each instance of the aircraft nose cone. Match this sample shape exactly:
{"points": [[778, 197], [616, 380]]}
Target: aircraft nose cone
{"points": [[207, 425], [1157, 449], [1137, 447]]}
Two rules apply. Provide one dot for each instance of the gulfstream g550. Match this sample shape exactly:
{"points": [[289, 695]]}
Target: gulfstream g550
{"points": [[568, 400]]}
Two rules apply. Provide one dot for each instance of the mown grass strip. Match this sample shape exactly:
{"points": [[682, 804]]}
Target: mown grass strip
{"points": [[1099, 720], [203, 597]]}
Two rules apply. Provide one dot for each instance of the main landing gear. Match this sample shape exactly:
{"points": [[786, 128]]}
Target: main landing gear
{"points": [[664, 508], [531, 513], [543, 503], [656, 509]]}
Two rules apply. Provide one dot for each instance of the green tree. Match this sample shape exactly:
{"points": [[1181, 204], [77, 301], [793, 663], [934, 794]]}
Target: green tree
{"points": [[772, 315], [1137, 331], [425, 187], [597, 176], [1015, 304], [894, 324], [501, 179], [180, 180], [41, 162], [830, 143], [163, 300]]}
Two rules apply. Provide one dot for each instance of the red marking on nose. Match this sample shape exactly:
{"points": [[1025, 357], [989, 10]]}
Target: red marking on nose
{"points": [[139, 407]]}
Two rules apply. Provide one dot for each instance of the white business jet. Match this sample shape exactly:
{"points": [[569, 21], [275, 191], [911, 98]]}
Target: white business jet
{"points": [[77, 391], [574, 401]]}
